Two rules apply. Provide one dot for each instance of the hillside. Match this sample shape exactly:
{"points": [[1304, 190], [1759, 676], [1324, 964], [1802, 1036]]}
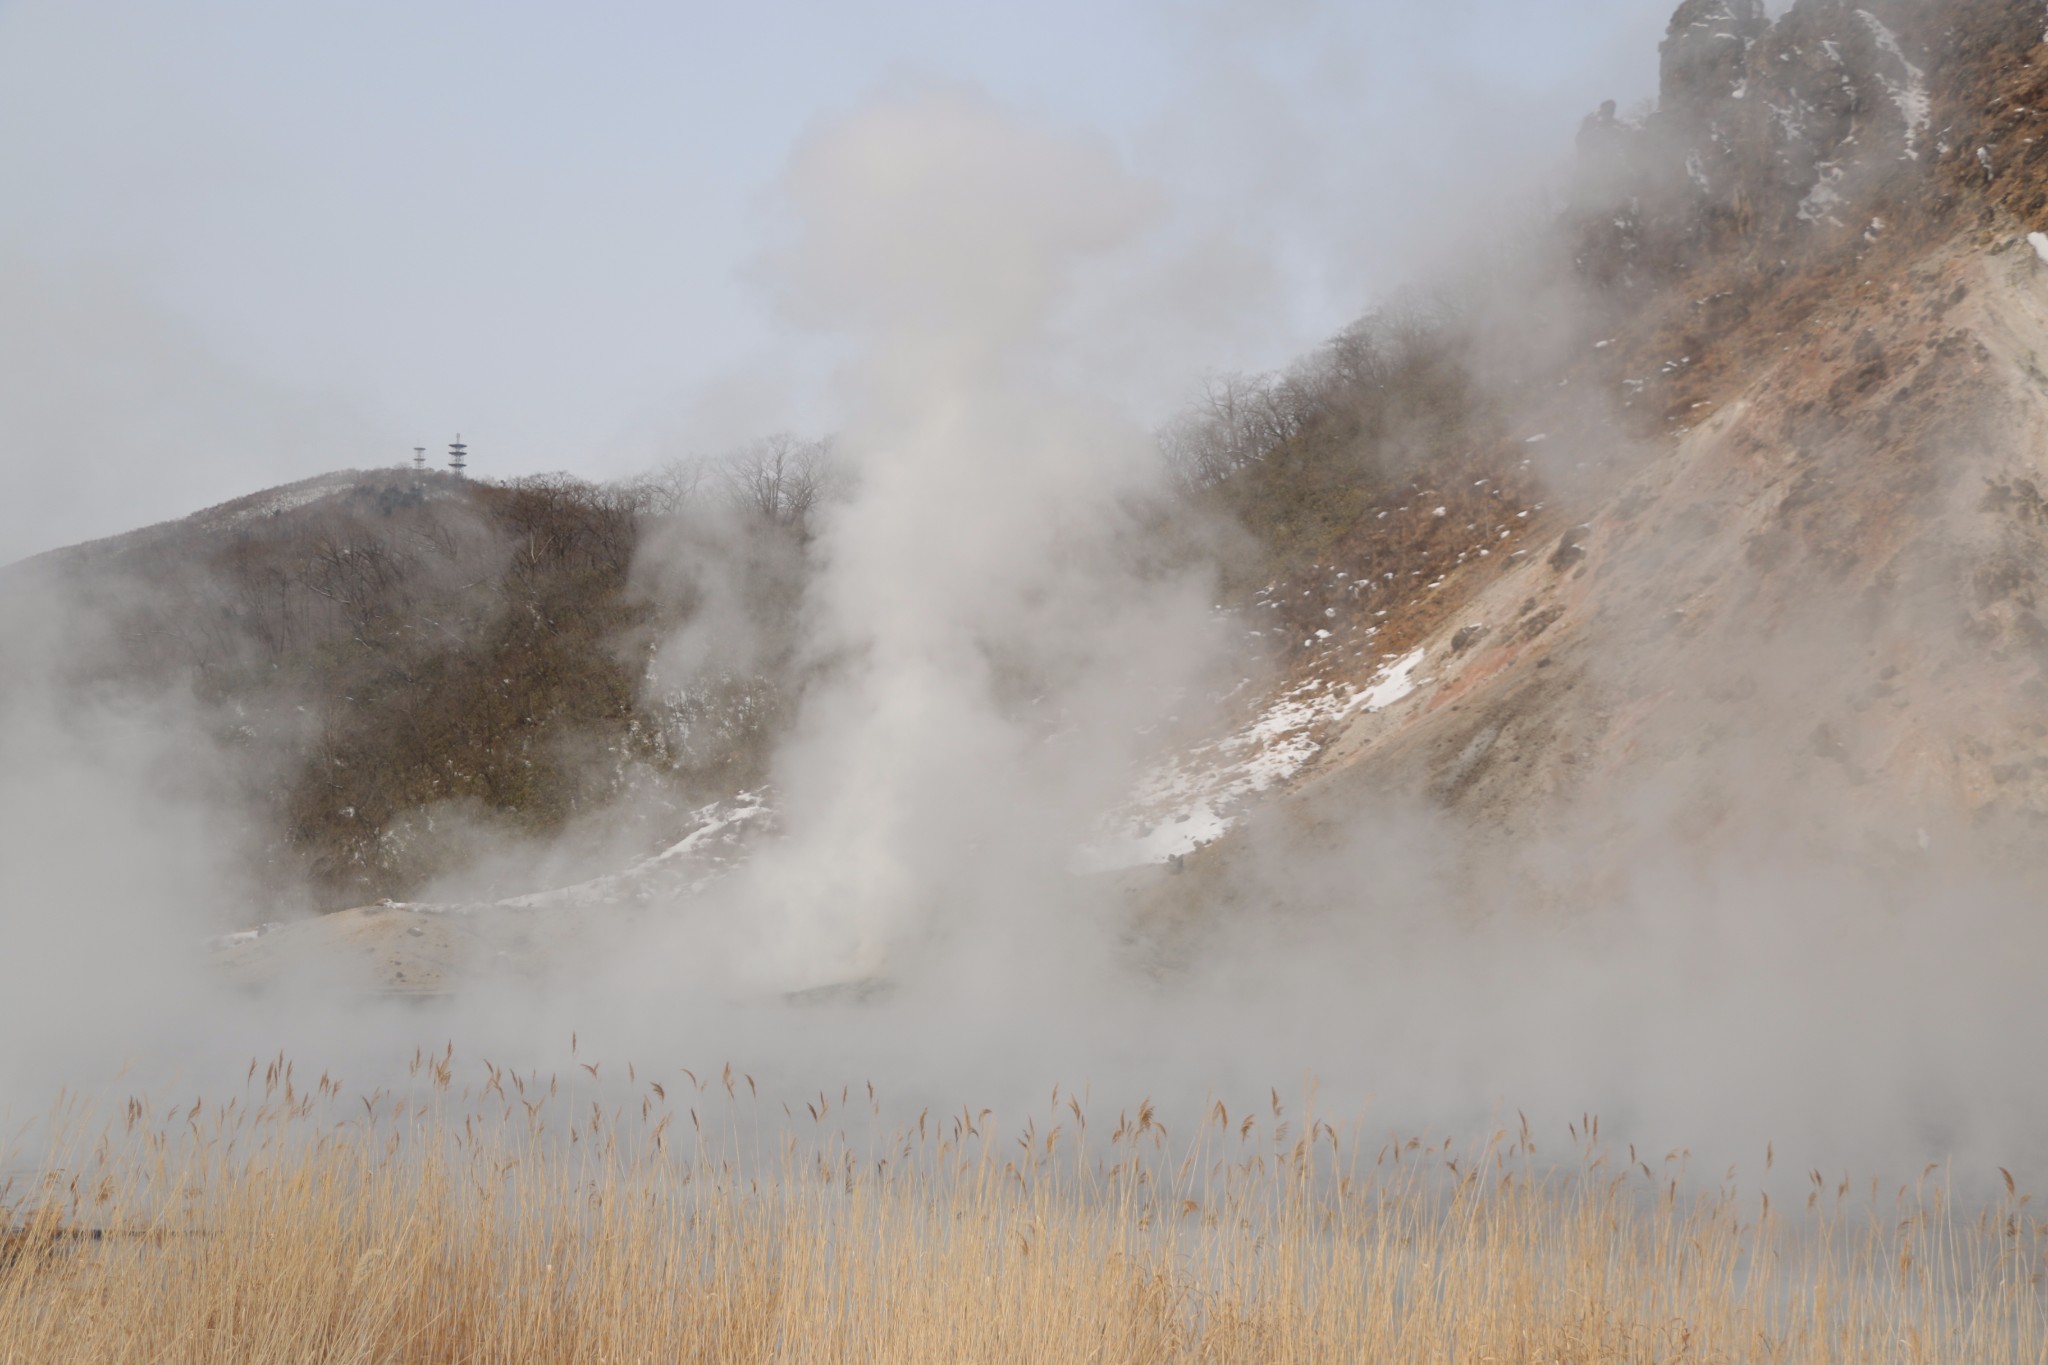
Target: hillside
{"points": [[1516, 836], [1726, 550], [406, 670], [1785, 605]]}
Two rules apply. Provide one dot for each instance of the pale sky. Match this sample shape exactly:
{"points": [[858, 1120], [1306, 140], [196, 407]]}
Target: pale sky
{"points": [[246, 241]]}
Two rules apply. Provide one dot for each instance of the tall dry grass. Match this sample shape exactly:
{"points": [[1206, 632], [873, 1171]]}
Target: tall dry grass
{"points": [[630, 1218]]}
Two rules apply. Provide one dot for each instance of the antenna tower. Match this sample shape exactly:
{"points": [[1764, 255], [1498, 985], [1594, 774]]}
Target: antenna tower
{"points": [[458, 455], [419, 459]]}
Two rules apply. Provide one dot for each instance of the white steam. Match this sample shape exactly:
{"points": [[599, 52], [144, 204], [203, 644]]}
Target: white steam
{"points": [[984, 658], [970, 613]]}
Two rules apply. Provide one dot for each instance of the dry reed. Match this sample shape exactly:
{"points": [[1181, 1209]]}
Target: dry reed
{"points": [[524, 1219]]}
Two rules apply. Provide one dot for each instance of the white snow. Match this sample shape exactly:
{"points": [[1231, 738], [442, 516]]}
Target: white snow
{"points": [[286, 500], [1789, 120], [1824, 198], [219, 941], [704, 855], [1696, 171], [1909, 94], [1194, 797], [2039, 241], [1393, 684]]}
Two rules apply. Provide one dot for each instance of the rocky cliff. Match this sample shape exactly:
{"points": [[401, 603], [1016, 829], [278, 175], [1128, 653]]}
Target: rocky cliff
{"points": [[1789, 608]]}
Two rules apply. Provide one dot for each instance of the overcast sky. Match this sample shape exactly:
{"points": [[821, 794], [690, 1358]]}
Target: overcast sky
{"points": [[245, 241]]}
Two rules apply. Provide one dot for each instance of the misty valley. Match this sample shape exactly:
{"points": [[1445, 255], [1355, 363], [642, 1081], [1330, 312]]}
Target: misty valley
{"points": [[1512, 832]]}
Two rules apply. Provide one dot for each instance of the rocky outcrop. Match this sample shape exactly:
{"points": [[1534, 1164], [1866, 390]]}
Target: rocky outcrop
{"points": [[1705, 59], [1820, 127]]}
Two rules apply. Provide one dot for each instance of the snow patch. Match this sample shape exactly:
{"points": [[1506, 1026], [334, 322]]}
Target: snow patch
{"points": [[707, 853], [1193, 798], [1824, 198], [219, 941], [1909, 94], [1393, 684], [1696, 171], [285, 500]]}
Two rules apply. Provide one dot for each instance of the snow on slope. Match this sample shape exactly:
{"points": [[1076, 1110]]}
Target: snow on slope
{"points": [[715, 845], [281, 500], [1180, 804], [707, 853], [1909, 90], [1193, 798]]}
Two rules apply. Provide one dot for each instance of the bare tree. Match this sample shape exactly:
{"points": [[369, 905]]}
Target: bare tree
{"points": [[363, 576], [781, 479], [1396, 384], [670, 489], [1238, 420]]}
